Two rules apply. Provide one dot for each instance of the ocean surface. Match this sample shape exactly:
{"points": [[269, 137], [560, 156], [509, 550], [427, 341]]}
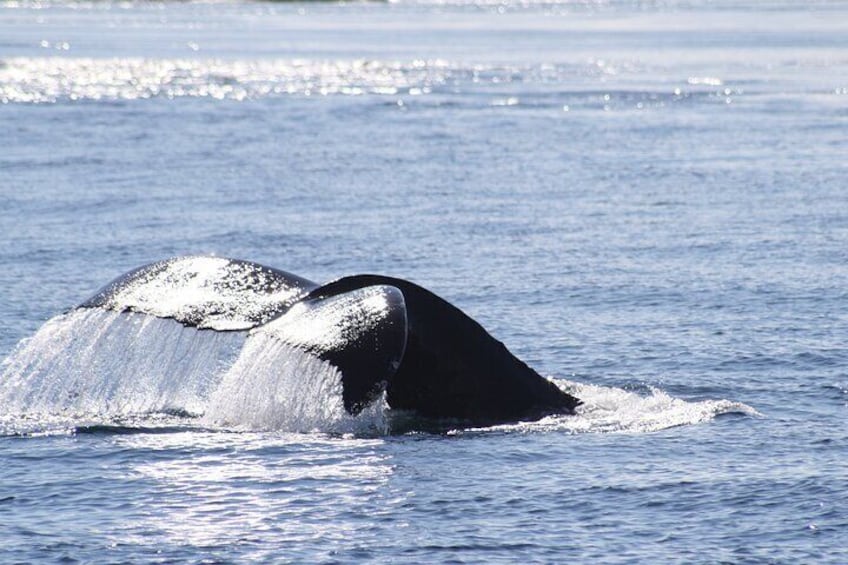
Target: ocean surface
{"points": [[645, 201]]}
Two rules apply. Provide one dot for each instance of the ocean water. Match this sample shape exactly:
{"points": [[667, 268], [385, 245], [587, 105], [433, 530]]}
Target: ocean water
{"points": [[646, 201]]}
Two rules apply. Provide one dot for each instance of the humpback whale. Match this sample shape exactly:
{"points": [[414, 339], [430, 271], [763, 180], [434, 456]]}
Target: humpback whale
{"points": [[384, 335]]}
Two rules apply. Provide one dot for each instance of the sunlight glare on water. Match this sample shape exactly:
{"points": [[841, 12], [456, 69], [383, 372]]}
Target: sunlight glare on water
{"points": [[251, 467]]}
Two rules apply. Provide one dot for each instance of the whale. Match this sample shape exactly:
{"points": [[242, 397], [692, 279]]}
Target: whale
{"points": [[385, 335]]}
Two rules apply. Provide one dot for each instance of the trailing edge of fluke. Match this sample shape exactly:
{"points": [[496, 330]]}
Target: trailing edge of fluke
{"points": [[382, 333]]}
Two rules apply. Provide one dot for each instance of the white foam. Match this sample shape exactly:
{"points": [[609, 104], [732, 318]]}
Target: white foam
{"points": [[610, 409], [616, 410]]}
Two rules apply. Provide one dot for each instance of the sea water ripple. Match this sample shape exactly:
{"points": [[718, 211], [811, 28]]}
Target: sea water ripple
{"points": [[645, 201]]}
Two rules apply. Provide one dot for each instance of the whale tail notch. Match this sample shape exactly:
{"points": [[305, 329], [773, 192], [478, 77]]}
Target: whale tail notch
{"points": [[453, 368]]}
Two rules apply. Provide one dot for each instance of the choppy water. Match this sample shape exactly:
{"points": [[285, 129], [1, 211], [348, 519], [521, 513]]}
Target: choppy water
{"points": [[646, 201]]}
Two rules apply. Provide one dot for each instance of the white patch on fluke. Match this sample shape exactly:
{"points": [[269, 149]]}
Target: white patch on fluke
{"points": [[331, 323], [209, 292]]}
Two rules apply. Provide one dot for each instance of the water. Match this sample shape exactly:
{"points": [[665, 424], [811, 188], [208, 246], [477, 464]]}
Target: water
{"points": [[646, 201]]}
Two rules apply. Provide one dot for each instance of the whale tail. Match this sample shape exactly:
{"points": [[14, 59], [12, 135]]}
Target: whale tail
{"points": [[452, 367], [381, 333]]}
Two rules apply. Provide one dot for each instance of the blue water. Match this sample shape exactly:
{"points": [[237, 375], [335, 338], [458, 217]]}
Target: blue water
{"points": [[646, 201]]}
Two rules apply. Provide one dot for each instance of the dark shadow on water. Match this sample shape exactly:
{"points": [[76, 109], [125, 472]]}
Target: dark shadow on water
{"points": [[118, 429]]}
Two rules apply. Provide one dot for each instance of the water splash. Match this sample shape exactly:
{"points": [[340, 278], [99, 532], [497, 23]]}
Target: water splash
{"points": [[275, 386], [97, 362], [610, 409], [616, 410], [92, 367]]}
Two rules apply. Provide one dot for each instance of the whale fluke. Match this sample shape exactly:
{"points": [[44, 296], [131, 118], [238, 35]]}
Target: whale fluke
{"points": [[381, 333]]}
